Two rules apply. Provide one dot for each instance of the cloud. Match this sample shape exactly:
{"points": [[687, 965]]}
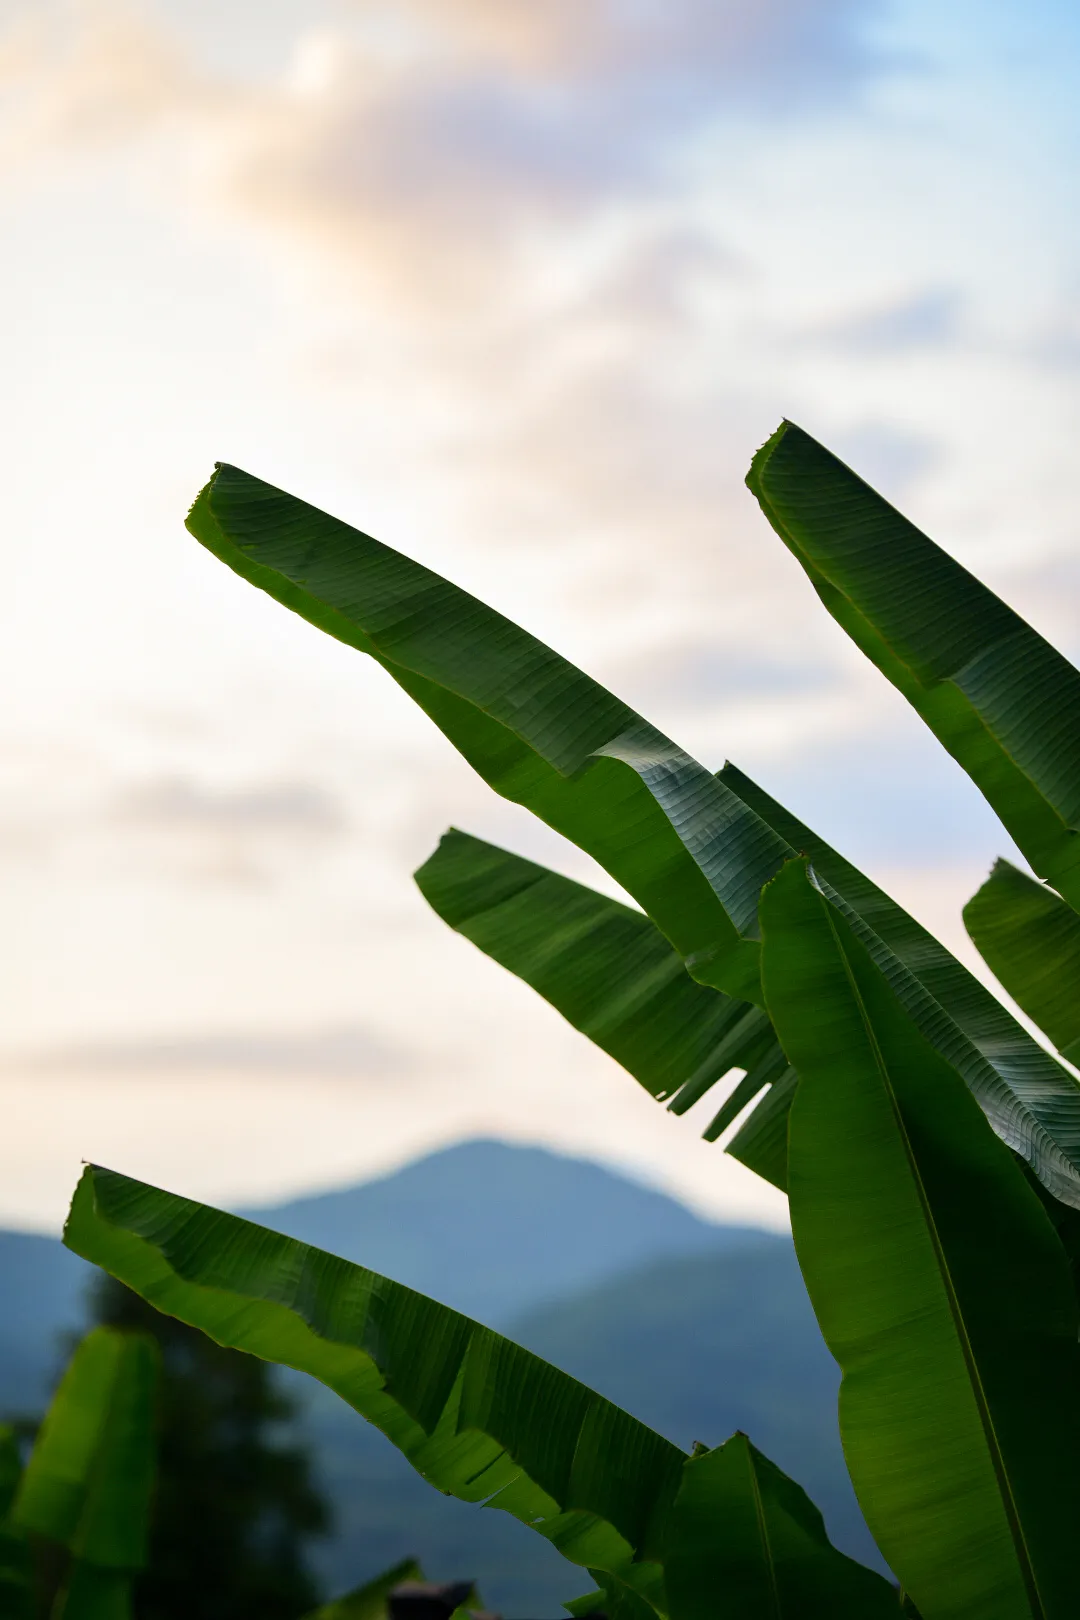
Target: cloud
{"points": [[928, 318], [433, 160], [89, 74], [348, 1052], [507, 119], [888, 457], [175, 804], [230, 833]]}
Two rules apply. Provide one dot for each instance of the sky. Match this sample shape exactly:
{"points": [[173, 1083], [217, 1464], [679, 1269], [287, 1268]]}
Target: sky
{"points": [[518, 288]]}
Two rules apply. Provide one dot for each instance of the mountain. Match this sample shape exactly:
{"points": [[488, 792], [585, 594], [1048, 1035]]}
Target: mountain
{"points": [[695, 1346], [697, 1329], [41, 1290], [487, 1227], [494, 1229]]}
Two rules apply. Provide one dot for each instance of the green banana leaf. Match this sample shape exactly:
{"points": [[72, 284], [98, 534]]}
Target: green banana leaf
{"points": [[478, 1417], [593, 1603], [1030, 940], [369, 1602], [15, 1588], [1032, 1102], [694, 851], [939, 1285], [539, 731], [615, 978], [1003, 702], [747, 1543], [612, 1600], [606, 968], [1063, 1218], [89, 1479]]}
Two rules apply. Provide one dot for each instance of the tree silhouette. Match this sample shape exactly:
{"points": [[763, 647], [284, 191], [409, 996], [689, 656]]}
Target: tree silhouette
{"points": [[235, 1503]]}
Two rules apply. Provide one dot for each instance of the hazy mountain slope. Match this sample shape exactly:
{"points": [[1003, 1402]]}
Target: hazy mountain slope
{"points": [[697, 1329], [702, 1346], [695, 1346], [485, 1226], [41, 1292], [493, 1229]]}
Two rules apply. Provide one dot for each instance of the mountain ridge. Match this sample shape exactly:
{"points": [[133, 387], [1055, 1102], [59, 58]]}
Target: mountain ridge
{"points": [[488, 1227]]}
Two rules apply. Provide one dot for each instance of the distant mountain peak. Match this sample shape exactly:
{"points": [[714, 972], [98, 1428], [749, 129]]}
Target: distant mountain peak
{"points": [[493, 1227]]}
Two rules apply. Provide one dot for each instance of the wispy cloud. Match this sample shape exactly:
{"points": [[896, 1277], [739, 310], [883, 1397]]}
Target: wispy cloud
{"points": [[456, 129], [347, 1052], [930, 317]]}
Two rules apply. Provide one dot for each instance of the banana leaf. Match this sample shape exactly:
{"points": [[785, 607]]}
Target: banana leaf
{"points": [[611, 1600], [1030, 940], [938, 1283], [747, 1543], [89, 1481], [1032, 1102], [1000, 698], [369, 1602], [605, 967], [477, 1416], [615, 978], [692, 850], [539, 731]]}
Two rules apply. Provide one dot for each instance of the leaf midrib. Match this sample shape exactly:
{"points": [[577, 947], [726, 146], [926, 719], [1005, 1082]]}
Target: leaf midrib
{"points": [[982, 1405], [763, 1531]]}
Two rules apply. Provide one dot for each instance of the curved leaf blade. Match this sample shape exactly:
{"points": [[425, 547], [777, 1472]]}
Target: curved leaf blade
{"points": [[1031, 1101], [1000, 698], [937, 1281], [615, 978], [747, 1542], [537, 729], [1030, 940], [477, 1416], [605, 967]]}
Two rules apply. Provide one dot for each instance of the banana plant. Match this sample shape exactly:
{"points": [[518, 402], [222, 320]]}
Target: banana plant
{"points": [[693, 849], [929, 1145], [88, 1484], [1030, 938]]}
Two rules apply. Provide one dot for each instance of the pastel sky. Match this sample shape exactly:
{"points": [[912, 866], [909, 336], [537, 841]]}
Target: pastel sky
{"points": [[518, 287]]}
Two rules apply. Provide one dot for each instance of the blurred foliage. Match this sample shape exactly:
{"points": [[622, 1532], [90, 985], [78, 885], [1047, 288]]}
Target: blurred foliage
{"points": [[236, 1506]]}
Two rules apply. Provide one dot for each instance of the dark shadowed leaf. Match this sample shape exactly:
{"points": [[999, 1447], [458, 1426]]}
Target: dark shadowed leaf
{"points": [[1030, 939], [15, 1590], [747, 1543]]}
